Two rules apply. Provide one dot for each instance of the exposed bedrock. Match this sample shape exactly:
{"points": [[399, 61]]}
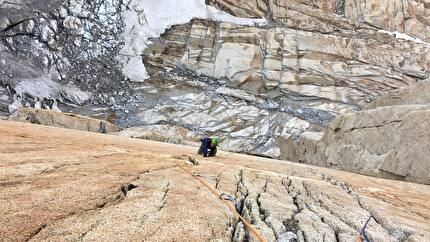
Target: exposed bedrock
{"points": [[59, 184]]}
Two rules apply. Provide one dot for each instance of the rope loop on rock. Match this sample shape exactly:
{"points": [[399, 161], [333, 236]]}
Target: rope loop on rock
{"points": [[213, 178], [227, 197]]}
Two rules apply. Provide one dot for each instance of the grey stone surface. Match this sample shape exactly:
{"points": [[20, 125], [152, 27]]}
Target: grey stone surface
{"points": [[383, 141], [417, 94]]}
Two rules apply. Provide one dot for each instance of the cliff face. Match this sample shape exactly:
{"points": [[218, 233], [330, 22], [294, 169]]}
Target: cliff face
{"points": [[405, 16], [251, 71]]}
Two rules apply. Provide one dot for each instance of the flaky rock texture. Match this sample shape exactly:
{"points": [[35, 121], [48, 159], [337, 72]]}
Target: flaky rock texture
{"points": [[66, 185], [252, 72], [389, 140]]}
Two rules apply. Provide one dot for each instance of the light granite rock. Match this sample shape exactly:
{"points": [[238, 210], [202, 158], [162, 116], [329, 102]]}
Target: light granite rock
{"points": [[416, 95], [388, 140], [368, 141], [63, 120], [306, 148], [410, 158]]}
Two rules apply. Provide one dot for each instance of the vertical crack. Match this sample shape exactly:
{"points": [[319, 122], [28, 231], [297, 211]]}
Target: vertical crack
{"points": [[401, 234], [164, 198], [263, 213], [36, 232], [239, 233], [291, 224]]}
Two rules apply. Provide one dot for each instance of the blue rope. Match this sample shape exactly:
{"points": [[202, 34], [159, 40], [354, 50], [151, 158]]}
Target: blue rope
{"points": [[363, 230], [227, 197]]}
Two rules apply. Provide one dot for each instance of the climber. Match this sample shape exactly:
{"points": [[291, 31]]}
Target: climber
{"points": [[208, 146]]}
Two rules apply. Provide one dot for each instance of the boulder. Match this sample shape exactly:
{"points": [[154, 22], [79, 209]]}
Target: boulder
{"points": [[63, 120], [411, 158]]}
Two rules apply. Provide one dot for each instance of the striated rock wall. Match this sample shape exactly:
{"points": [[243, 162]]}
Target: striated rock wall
{"points": [[311, 62], [405, 16], [253, 72], [417, 95], [345, 71]]}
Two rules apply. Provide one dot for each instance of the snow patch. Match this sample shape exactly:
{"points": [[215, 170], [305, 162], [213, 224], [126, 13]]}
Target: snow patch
{"points": [[46, 88], [404, 36], [150, 18]]}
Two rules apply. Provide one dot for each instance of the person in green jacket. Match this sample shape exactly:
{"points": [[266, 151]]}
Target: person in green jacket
{"points": [[209, 146]]}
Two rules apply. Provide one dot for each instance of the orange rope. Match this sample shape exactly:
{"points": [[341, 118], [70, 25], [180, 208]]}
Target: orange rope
{"points": [[254, 231]]}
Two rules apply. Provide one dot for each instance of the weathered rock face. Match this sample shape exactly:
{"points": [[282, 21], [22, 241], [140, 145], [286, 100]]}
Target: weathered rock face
{"points": [[305, 148], [164, 133], [416, 95], [330, 69], [4, 101], [63, 185], [287, 68], [63, 120], [405, 16], [385, 141]]}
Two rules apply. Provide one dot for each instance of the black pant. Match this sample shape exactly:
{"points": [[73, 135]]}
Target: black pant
{"points": [[212, 150]]}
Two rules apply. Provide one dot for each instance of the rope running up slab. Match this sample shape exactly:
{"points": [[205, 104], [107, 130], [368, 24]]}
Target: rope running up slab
{"points": [[251, 228]]}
